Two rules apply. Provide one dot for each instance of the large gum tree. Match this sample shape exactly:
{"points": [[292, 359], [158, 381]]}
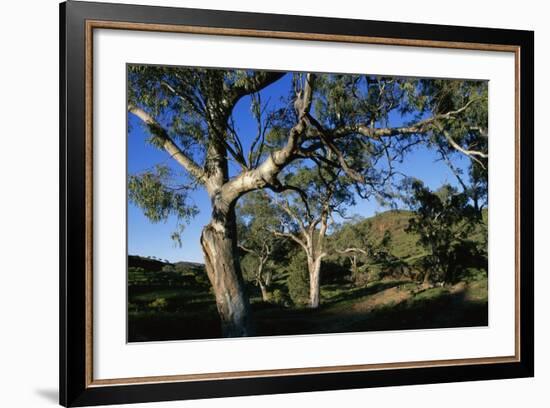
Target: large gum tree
{"points": [[189, 113]]}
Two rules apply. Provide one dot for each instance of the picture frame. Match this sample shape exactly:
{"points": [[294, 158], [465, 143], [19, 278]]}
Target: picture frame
{"points": [[79, 20]]}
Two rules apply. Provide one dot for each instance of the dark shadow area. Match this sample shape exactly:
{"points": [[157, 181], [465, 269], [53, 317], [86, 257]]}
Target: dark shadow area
{"points": [[358, 293], [379, 306]]}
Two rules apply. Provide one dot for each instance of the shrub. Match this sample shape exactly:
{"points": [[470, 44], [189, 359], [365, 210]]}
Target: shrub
{"points": [[334, 272], [168, 268], [202, 279], [280, 298], [298, 279], [158, 304]]}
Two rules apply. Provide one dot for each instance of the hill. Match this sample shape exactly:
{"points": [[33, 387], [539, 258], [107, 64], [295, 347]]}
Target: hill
{"points": [[174, 301], [149, 264], [403, 244], [155, 265]]}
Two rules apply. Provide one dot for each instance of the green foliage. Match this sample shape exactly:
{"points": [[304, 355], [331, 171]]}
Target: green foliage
{"points": [[469, 128], [249, 267], [152, 192], [279, 297], [187, 103], [257, 219], [444, 221], [158, 304], [298, 279], [369, 252]]}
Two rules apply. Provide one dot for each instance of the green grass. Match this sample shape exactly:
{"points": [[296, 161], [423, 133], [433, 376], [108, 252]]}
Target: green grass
{"points": [[404, 245], [190, 313], [175, 302]]}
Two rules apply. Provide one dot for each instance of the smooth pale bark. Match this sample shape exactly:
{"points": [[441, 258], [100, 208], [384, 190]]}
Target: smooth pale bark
{"points": [[263, 289], [314, 267], [352, 255], [219, 237], [262, 281], [311, 240], [354, 271], [263, 276], [218, 242]]}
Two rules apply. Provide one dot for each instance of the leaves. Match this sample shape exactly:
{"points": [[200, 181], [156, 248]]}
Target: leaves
{"points": [[152, 192], [444, 220]]}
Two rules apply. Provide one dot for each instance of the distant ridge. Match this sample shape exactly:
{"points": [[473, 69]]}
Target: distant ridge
{"points": [[150, 264]]}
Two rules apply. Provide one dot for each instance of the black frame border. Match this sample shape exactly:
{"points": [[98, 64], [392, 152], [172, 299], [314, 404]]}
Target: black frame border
{"points": [[72, 300]]}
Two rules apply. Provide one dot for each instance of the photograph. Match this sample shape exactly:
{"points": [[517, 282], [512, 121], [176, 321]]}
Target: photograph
{"points": [[273, 203]]}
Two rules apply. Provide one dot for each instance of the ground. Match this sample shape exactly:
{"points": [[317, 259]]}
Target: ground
{"points": [[188, 311]]}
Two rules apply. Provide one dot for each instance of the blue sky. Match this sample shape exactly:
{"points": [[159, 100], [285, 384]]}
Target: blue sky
{"points": [[153, 239]]}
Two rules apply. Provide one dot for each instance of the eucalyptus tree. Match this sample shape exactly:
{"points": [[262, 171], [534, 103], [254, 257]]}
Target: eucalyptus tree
{"points": [[307, 213], [256, 219], [189, 113], [444, 221], [355, 240], [470, 129]]}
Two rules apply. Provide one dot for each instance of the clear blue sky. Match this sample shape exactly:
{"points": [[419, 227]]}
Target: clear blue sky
{"points": [[149, 239]]}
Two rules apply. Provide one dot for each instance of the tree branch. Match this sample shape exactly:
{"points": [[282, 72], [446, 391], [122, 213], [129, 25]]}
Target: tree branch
{"points": [[327, 140], [254, 83], [469, 153], [417, 127], [250, 251], [168, 144], [351, 250], [268, 170], [279, 188], [283, 204], [291, 236]]}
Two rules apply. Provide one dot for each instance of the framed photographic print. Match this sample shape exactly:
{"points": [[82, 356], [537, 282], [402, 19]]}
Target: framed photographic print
{"points": [[255, 203]]}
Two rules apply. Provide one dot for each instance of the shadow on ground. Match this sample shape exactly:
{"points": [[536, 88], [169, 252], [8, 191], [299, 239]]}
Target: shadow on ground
{"points": [[382, 305]]}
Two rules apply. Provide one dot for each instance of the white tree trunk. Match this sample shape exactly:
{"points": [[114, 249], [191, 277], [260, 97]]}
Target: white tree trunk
{"points": [[262, 282], [218, 241], [314, 268]]}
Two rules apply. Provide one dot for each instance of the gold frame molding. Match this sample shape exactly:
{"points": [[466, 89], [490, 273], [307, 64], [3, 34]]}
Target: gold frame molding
{"points": [[116, 25]]}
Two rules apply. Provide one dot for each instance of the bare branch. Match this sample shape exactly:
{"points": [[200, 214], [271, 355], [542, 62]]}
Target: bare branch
{"points": [[469, 153], [246, 249], [352, 250], [285, 206], [279, 188], [291, 236], [453, 169]]}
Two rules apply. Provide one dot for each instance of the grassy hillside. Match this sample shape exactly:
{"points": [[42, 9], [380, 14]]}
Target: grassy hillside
{"points": [[404, 244], [173, 301]]}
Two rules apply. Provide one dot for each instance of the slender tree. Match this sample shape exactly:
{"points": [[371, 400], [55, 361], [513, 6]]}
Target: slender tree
{"points": [[257, 217], [307, 212], [188, 113]]}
